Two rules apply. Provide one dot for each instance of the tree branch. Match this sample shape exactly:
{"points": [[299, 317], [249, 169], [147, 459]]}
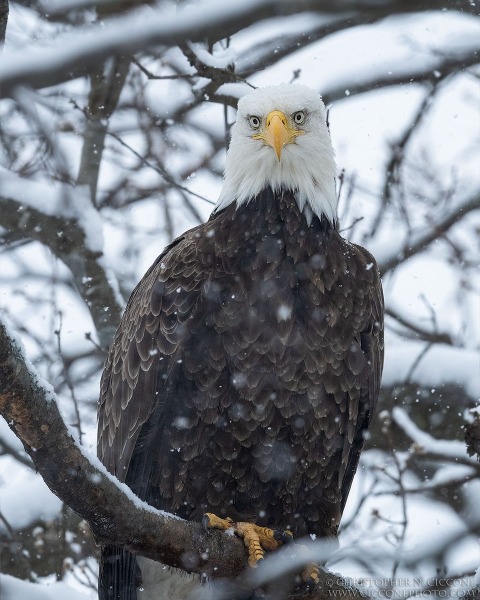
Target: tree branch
{"points": [[64, 237], [419, 332], [106, 83], [398, 153], [3, 20], [268, 52], [376, 81], [31, 411], [115, 515], [472, 435], [420, 240], [6, 448], [137, 30]]}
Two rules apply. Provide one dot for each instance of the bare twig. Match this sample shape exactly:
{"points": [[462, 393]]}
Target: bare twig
{"points": [[160, 170], [153, 77], [422, 239], [393, 168], [426, 74], [419, 332]]}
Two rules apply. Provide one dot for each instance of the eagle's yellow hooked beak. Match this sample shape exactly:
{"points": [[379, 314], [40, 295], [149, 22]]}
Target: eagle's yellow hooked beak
{"points": [[277, 132]]}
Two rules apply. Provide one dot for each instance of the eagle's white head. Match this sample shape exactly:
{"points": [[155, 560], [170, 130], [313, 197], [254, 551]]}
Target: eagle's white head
{"points": [[280, 140]]}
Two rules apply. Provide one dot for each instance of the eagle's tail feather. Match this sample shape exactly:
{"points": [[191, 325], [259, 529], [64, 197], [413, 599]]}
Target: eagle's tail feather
{"points": [[119, 574]]}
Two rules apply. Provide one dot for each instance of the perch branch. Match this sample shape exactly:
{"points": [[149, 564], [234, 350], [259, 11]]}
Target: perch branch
{"points": [[115, 515]]}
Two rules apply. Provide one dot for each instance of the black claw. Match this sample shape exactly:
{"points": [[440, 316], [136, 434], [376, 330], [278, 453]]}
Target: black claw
{"points": [[206, 523], [302, 587], [309, 583], [282, 536]]}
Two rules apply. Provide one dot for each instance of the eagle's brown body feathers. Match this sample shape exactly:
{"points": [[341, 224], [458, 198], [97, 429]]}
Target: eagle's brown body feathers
{"points": [[245, 371]]}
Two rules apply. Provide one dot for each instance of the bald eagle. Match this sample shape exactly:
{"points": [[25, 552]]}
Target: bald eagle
{"points": [[244, 374]]}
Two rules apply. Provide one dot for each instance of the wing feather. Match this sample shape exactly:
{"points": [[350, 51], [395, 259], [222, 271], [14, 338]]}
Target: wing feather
{"points": [[371, 347], [143, 353]]}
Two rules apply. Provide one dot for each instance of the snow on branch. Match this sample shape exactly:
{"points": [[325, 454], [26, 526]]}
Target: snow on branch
{"points": [[113, 512], [472, 433], [453, 449], [59, 201], [70, 227], [422, 72], [433, 364], [73, 54]]}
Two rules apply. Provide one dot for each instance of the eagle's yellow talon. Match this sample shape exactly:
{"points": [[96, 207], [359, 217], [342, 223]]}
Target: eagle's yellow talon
{"points": [[251, 539], [256, 539], [272, 539], [211, 521]]}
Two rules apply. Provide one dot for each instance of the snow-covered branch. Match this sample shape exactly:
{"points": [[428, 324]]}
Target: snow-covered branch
{"points": [[113, 512], [71, 229], [427, 71], [73, 55], [452, 449]]}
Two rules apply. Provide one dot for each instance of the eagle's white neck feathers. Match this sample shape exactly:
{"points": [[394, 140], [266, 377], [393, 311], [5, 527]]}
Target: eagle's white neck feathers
{"points": [[306, 167]]}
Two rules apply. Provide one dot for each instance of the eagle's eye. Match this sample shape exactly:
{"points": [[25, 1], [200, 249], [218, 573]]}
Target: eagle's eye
{"points": [[254, 122], [299, 117]]}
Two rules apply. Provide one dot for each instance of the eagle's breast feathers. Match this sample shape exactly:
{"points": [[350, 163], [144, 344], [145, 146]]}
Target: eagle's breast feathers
{"points": [[255, 346]]}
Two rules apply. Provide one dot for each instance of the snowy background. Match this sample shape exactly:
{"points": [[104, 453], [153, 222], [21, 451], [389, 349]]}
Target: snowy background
{"points": [[102, 163]]}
